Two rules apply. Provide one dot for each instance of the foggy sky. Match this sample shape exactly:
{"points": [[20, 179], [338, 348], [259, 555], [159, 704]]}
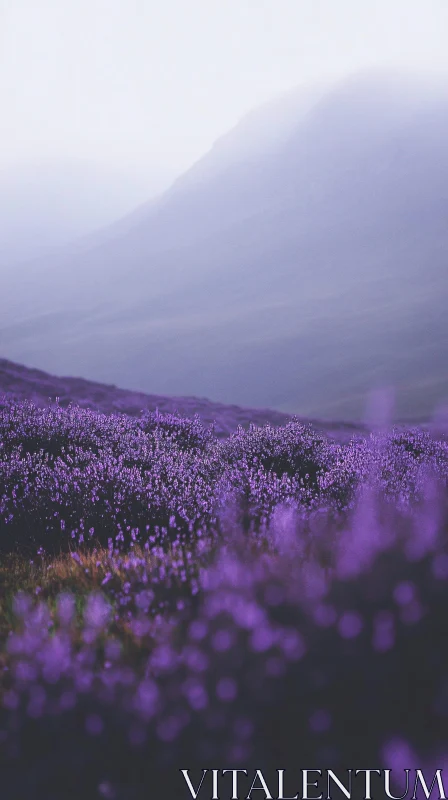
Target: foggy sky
{"points": [[143, 82]]}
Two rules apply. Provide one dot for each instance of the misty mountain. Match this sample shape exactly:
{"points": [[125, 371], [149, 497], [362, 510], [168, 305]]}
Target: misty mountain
{"points": [[48, 204], [298, 274]]}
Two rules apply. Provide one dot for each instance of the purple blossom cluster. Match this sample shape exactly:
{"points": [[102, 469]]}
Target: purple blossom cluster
{"points": [[70, 475], [269, 599]]}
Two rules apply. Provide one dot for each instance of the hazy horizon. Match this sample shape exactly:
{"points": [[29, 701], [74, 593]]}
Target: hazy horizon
{"points": [[136, 86]]}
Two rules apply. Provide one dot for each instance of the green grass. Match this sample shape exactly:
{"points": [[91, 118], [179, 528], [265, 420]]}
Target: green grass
{"points": [[45, 577]]}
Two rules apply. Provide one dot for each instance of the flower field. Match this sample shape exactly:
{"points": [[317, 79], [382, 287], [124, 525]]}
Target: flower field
{"points": [[172, 599]]}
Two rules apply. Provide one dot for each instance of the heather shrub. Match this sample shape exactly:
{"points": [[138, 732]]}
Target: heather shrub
{"points": [[186, 434], [54, 428], [295, 450]]}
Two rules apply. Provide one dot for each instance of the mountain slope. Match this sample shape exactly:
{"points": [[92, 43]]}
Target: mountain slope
{"points": [[23, 383], [297, 279]]}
